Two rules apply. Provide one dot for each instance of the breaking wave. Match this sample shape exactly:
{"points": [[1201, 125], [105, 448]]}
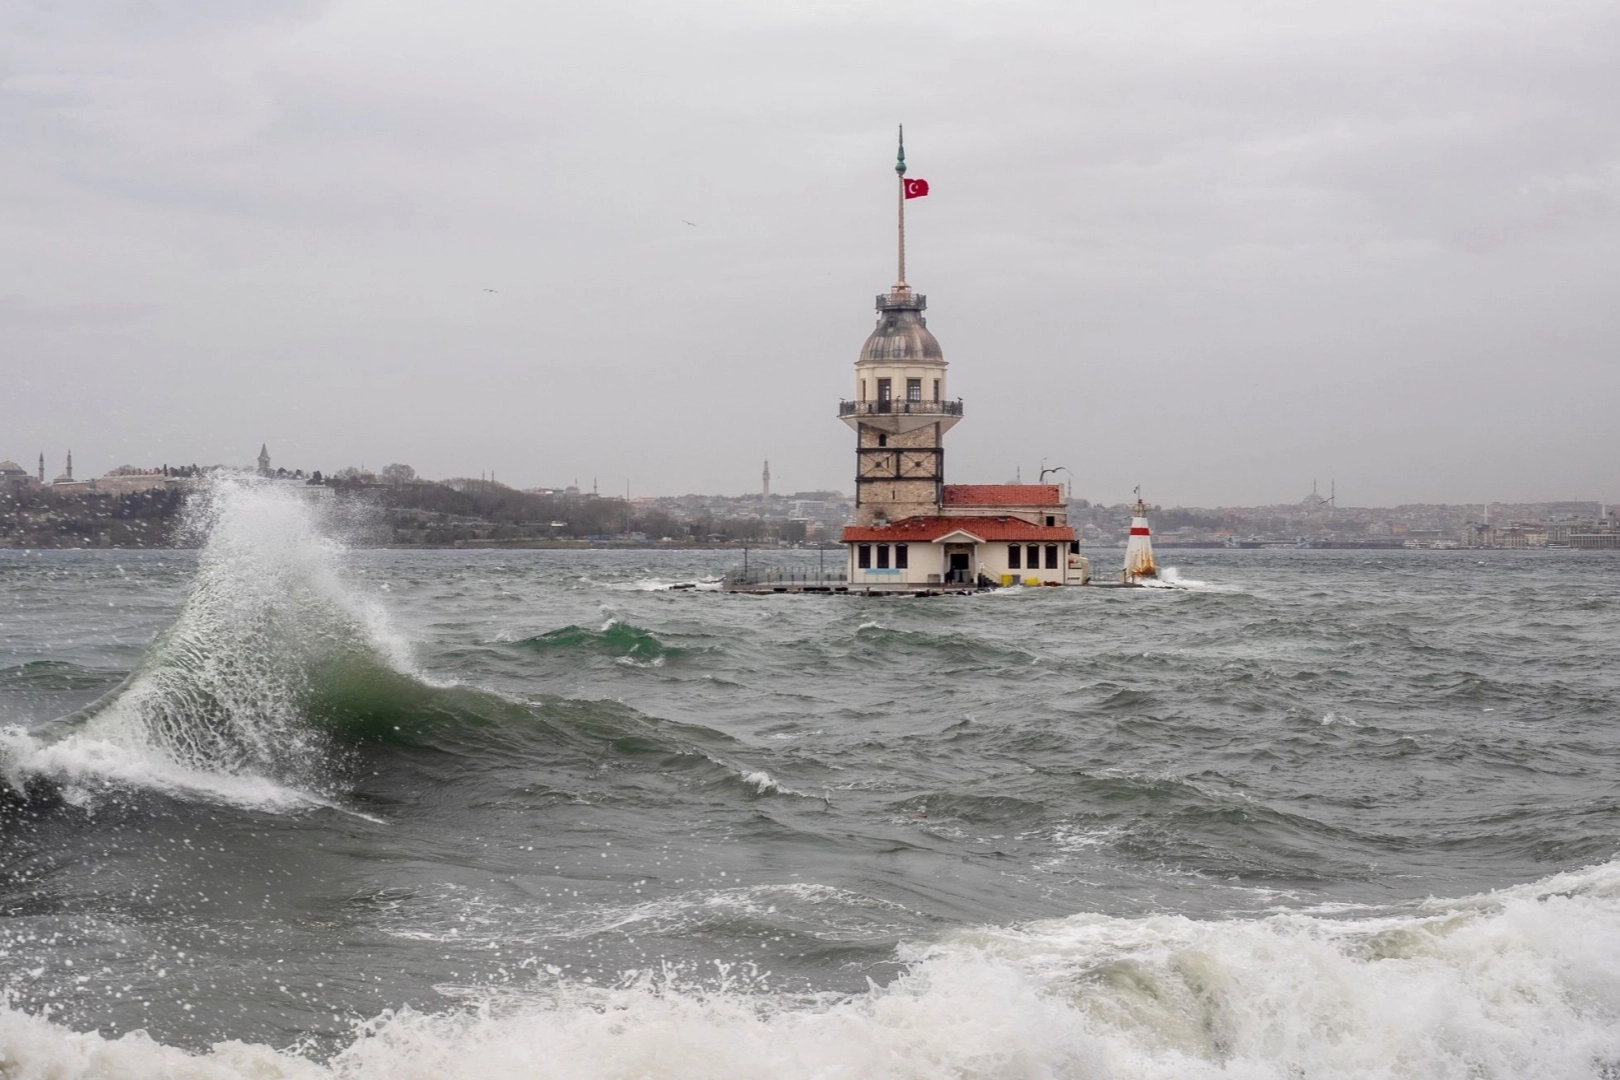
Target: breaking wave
{"points": [[1171, 578], [228, 702], [1520, 983]]}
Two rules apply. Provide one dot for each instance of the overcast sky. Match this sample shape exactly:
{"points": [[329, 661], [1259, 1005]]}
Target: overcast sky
{"points": [[1215, 247]]}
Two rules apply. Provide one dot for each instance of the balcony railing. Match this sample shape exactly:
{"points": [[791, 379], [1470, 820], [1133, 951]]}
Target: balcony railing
{"points": [[910, 302], [897, 406]]}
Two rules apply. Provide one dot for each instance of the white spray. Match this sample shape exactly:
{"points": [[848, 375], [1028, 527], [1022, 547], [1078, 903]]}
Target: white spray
{"points": [[218, 706], [1523, 984]]}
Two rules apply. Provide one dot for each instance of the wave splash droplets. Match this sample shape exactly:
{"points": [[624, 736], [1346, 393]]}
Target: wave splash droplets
{"points": [[225, 703]]}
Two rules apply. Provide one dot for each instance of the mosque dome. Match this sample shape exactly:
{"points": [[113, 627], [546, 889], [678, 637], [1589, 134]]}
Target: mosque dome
{"points": [[902, 334], [11, 468]]}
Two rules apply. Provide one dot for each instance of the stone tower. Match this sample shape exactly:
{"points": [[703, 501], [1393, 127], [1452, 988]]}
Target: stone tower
{"points": [[900, 413]]}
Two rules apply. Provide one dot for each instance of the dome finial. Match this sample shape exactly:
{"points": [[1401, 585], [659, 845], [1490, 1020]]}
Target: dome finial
{"points": [[900, 159]]}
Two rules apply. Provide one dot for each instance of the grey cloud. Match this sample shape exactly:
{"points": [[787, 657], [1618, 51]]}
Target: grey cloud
{"points": [[1217, 248]]}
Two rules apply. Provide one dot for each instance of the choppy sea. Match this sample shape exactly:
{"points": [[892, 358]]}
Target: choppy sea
{"points": [[284, 808]]}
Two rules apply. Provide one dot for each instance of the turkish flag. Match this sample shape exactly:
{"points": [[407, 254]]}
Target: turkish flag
{"points": [[916, 189]]}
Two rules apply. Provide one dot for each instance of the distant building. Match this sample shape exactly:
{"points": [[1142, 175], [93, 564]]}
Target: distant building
{"points": [[66, 481], [264, 459], [14, 477], [127, 479], [1314, 503]]}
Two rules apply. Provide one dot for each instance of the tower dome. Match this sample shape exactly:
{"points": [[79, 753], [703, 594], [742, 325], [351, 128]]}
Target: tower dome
{"points": [[902, 334]]}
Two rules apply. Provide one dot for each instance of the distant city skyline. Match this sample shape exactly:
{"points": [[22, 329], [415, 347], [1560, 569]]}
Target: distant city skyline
{"points": [[1214, 250], [88, 468]]}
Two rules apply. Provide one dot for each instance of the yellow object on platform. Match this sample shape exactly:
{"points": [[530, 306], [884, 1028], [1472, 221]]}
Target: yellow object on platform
{"points": [[1006, 580], [1032, 581]]}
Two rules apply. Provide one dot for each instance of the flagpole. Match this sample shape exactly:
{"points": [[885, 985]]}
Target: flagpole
{"points": [[900, 170]]}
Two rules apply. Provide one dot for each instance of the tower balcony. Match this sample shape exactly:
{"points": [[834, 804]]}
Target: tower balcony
{"points": [[900, 408], [902, 301], [899, 417]]}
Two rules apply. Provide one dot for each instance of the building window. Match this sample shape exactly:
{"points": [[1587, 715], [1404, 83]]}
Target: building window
{"points": [[863, 557], [1051, 557], [913, 389], [1034, 560], [1074, 547], [1051, 519], [863, 389], [902, 559], [936, 389], [883, 440], [885, 394], [883, 556], [1013, 551]]}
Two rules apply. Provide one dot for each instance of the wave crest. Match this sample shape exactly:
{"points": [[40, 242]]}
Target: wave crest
{"points": [[222, 703], [1524, 983]]}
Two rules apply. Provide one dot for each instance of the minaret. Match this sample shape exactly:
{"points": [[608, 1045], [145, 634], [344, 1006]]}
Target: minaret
{"points": [[765, 480], [42, 466], [900, 413], [70, 465], [264, 459]]}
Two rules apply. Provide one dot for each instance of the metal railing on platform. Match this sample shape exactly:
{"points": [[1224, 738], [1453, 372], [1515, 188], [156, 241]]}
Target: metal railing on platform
{"points": [[896, 406], [785, 575]]}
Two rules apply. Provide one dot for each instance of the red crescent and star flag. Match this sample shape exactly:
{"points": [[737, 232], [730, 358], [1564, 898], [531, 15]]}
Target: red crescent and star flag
{"points": [[916, 189]]}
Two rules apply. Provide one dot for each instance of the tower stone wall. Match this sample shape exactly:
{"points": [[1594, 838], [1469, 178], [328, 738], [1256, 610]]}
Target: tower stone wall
{"points": [[898, 475]]}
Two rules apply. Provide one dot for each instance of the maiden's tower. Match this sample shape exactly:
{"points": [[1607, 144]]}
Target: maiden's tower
{"points": [[912, 530]]}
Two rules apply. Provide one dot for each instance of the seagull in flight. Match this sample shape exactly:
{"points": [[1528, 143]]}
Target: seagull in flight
{"points": [[492, 290], [691, 223]]}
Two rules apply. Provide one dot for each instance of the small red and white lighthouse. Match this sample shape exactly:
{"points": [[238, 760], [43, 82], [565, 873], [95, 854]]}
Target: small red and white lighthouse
{"points": [[1139, 548]]}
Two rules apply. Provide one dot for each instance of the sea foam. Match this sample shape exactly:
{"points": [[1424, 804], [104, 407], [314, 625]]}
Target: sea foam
{"points": [[1520, 983]]}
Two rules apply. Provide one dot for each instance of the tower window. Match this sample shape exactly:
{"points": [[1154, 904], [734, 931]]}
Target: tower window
{"points": [[913, 389], [883, 556], [885, 390], [883, 440], [902, 559], [1051, 519], [1013, 551], [1051, 556], [863, 556], [936, 389]]}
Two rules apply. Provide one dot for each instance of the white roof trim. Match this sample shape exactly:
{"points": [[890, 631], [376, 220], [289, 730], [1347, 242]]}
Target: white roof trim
{"points": [[951, 537]]}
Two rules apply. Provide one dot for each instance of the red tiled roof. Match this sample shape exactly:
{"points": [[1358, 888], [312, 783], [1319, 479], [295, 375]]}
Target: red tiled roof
{"points": [[923, 530], [1003, 495]]}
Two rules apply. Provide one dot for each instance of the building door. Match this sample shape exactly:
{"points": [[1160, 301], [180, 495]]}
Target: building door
{"points": [[961, 571], [885, 394]]}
